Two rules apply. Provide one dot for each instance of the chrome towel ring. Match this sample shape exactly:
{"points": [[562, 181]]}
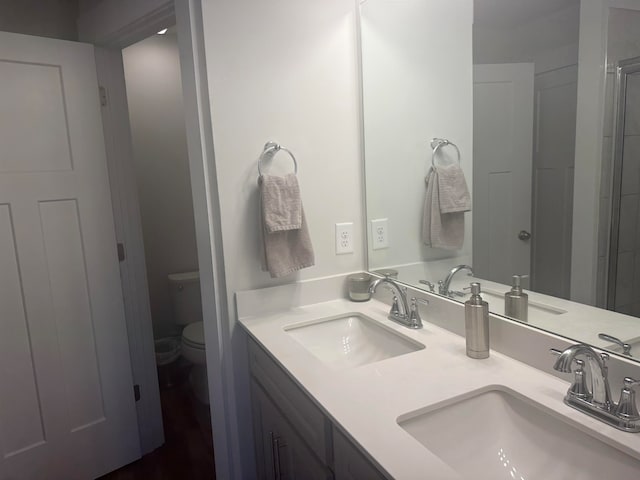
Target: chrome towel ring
{"points": [[270, 150], [437, 144]]}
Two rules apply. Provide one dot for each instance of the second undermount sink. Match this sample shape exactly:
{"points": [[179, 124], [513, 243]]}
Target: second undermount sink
{"points": [[351, 340], [497, 434]]}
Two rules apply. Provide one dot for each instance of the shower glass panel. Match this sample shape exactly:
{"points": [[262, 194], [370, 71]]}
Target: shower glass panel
{"points": [[624, 254]]}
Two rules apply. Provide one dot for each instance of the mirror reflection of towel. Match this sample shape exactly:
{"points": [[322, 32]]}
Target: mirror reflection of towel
{"points": [[446, 200], [285, 235]]}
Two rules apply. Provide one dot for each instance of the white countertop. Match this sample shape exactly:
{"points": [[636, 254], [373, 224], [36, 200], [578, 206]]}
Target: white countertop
{"points": [[367, 400]]}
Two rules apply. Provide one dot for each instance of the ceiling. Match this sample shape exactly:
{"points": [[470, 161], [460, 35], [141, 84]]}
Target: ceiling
{"points": [[511, 13]]}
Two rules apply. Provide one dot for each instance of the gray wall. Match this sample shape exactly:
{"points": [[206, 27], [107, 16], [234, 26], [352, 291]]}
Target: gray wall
{"points": [[623, 42], [154, 91]]}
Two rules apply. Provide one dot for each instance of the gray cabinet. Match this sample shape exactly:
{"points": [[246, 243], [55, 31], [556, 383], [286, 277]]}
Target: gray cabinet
{"points": [[283, 454], [294, 439], [350, 463]]}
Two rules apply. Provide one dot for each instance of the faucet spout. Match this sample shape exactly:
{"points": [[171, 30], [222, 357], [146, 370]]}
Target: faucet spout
{"points": [[400, 310], [399, 293], [597, 367], [444, 286]]}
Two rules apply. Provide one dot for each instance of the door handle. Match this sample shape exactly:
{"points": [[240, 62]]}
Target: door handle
{"points": [[524, 235], [276, 445]]}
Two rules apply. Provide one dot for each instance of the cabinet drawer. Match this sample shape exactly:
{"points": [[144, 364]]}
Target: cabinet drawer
{"points": [[307, 419]]}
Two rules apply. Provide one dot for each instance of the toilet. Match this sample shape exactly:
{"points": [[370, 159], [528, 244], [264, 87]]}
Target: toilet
{"points": [[184, 289]]}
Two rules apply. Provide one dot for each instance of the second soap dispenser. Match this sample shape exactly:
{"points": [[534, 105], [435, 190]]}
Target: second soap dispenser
{"points": [[516, 302], [476, 324]]}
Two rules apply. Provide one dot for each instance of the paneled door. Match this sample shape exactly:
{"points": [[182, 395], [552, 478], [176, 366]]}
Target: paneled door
{"points": [[502, 166], [67, 409]]}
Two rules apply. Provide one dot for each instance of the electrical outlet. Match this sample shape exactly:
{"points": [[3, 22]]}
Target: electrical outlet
{"points": [[344, 238], [380, 233]]}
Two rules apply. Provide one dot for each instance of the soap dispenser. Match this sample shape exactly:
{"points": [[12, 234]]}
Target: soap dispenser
{"points": [[516, 302], [476, 323]]}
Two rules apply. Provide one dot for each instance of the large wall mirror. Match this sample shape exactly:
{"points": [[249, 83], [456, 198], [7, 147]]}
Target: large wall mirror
{"points": [[538, 102]]}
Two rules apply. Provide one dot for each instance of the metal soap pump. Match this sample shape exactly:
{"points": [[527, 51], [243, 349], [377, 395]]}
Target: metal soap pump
{"points": [[476, 323], [516, 302]]}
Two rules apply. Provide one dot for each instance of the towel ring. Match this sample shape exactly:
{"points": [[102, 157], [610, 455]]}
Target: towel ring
{"points": [[270, 150], [437, 144]]}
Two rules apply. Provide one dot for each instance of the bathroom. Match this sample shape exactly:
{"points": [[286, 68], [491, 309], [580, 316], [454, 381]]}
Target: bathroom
{"points": [[290, 73]]}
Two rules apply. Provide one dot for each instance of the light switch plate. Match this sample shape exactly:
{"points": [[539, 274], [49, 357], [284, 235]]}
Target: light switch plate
{"points": [[380, 233], [344, 238]]}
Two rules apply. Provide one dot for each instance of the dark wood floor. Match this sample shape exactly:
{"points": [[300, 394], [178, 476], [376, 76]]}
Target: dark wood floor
{"points": [[188, 449]]}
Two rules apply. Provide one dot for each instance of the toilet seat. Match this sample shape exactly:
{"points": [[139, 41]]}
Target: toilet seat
{"points": [[193, 348], [193, 335]]}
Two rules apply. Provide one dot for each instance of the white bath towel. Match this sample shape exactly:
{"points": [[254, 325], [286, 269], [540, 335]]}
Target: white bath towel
{"points": [[285, 248], [440, 230]]}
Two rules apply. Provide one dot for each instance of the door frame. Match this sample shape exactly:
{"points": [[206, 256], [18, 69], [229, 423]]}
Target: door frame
{"points": [[115, 25], [623, 69]]}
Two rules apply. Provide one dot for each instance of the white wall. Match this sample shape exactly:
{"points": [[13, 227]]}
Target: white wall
{"points": [[154, 91], [286, 71], [51, 18], [417, 85]]}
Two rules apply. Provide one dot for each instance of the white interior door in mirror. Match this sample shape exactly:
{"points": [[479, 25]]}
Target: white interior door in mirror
{"points": [[502, 153], [66, 402]]}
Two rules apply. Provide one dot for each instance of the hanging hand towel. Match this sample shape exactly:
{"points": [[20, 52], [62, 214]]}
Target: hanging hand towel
{"points": [[440, 230], [287, 248], [281, 204], [452, 188]]}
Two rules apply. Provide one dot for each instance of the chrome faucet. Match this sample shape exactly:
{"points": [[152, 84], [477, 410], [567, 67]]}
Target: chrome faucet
{"points": [[443, 285], [407, 315], [596, 400]]}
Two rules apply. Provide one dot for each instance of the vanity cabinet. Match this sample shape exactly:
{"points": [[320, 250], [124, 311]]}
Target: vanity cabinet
{"points": [[350, 463], [294, 439], [281, 453]]}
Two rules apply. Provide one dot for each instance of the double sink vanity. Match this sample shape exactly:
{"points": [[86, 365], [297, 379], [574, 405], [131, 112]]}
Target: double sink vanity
{"points": [[342, 392]]}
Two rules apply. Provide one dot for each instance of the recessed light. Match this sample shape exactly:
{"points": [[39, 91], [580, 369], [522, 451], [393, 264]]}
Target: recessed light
{"points": [[163, 31]]}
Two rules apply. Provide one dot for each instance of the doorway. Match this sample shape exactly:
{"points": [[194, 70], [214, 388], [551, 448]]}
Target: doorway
{"points": [[162, 182], [624, 271]]}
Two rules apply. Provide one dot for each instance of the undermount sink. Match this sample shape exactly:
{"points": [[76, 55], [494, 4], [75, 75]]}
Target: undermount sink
{"points": [[498, 434], [351, 340]]}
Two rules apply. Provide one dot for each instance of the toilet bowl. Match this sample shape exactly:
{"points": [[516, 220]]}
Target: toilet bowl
{"points": [[184, 289], [193, 349]]}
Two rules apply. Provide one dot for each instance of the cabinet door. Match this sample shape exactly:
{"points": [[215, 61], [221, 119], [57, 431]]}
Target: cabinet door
{"points": [[282, 454], [350, 463]]}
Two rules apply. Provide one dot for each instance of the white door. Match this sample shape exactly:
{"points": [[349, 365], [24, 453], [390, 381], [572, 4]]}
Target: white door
{"points": [[502, 165], [66, 400]]}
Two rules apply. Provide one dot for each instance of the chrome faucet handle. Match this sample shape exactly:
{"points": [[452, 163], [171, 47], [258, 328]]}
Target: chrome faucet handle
{"points": [[414, 316], [395, 306], [626, 348], [579, 387], [431, 286], [627, 409]]}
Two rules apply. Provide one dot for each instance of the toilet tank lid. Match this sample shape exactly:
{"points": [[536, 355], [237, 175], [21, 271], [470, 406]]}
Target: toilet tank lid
{"points": [[184, 277]]}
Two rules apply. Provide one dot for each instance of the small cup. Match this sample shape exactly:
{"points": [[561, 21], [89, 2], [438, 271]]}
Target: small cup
{"points": [[358, 284]]}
